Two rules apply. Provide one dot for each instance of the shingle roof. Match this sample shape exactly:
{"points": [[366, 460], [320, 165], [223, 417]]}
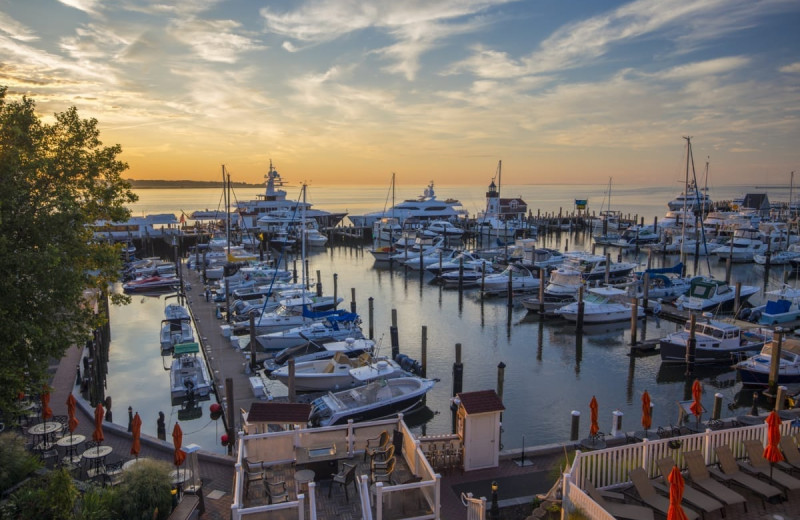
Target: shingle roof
{"points": [[481, 402]]}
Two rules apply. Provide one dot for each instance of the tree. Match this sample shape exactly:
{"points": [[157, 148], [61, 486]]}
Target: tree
{"points": [[56, 180]]}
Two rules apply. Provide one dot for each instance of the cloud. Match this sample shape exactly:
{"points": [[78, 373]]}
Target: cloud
{"points": [[87, 6], [214, 40], [15, 29], [792, 68]]}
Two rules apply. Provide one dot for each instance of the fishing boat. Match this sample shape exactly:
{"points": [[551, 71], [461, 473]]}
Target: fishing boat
{"points": [[706, 293], [755, 370], [601, 305], [338, 373], [189, 376], [351, 347], [715, 342], [375, 400]]}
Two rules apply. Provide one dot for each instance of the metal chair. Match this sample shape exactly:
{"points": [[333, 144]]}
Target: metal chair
{"points": [[346, 475], [378, 443], [386, 457], [386, 474], [277, 492], [252, 474]]}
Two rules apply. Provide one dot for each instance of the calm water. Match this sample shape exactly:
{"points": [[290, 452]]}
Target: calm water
{"points": [[548, 372]]}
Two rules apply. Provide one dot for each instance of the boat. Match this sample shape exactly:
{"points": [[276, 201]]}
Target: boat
{"points": [[175, 311], [437, 228], [783, 305], [561, 289], [151, 284], [691, 199], [383, 253], [636, 236], [350, 347], [755, 370], [386, 229], [332, 328], [375, 400], [274, 199], [745, 244], [518, 276], [189, 376], [175, 331], [465, 258], [665, 284], [594, 267], [338, 373], [706, 293], [311, 302], [424, 208], [435, 257], [715, 342], [470, 276], [288, 317], [787, 256], [601, 305]]}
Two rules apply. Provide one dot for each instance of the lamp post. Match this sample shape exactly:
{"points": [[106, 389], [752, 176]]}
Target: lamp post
{"points": [[494, 512]]}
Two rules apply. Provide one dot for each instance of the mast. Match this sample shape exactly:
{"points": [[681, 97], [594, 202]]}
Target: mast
{"points": [[791, 188]]}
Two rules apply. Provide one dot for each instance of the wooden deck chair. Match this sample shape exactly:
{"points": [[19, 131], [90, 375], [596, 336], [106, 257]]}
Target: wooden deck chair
{"points": [[790, 453], [691, 495], [620, 511], [700, 477], [761, 466], [648, 495], [731, 472]]}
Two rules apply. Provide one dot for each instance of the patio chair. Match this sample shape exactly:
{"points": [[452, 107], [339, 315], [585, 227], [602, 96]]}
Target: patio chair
{"points": [[729, 471], [649, 497], [252, 473], [114, 472], [346, 475], [277, 492], [617, 510], [700, 477], [790, 453], [381, 458], [376, 444], [691, 495], [761, 466], [385, 475]]}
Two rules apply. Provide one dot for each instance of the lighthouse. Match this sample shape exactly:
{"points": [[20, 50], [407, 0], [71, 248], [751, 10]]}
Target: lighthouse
{"points": [[493, 200]]}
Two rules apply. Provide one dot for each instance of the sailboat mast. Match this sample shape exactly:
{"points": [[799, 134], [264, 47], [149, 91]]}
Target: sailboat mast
{"points": [[303, 239]]}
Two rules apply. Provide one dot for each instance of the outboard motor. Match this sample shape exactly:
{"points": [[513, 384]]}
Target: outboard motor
{"points": [[744, 313]]}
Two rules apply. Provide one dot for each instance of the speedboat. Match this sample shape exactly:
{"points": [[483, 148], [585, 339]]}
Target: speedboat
{"points": [[664, 284], [332, 328], [377, 399], [189, 377], [175, 331], [466, 258], [287, 318], [594, 267], [601, 305], [437, 228], [174, 311], [692, 199], [755, 370], [520, 278], [338, 373], [350, 347], [636, 236], [745, 244], [715, 342], [151, 284], [435, 257], [782, 305], [706, 293], [471, 275]]}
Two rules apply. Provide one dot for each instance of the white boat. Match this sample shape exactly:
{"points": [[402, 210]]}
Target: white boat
{"points": [[782, 305], [175, 311], [284, 318], [333, 328], [422, 246], [338, 373], [778, 257], [601, 305], [438, 255], [311, 302], [313, 236], [745, 244], [375, 400], [706, 294], [437, 228], [350, 347], [755, 370], [636, 236], [426, 207], [386, 229], [715, 342], [520, 277], [469, 261], [593, 267], [383, 253], [692, 199], [176, 331], [469, 277], [665, 284], [189, 377]]}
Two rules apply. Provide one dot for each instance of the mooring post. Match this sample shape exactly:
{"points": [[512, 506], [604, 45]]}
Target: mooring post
{"points": [[692, 345], [353, 300], [579, 323], [423, 361], [634, 319], [541, 294], [501, 372], [229, 401], [458, 372], [292, 391], [574, 427], [737, 298], [775, 362], [371, 311], [608, 267], [716, 410], [252, 316], [393, 336], [335, 290], [780, 400]]}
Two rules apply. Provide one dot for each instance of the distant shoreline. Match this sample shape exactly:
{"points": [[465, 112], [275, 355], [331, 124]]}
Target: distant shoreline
{"points": [[151, 184]]}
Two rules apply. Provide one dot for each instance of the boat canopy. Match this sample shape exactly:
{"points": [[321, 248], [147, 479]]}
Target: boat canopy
{"points": [[186, 348], [675, 269]]}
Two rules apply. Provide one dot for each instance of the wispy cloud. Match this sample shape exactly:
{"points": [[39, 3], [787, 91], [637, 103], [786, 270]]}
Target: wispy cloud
{"points": [[15, 29], [792, 68], [87, 6], [214, 40]]}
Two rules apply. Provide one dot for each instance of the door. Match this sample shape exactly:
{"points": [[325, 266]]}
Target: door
{"points": [[484, 443]]}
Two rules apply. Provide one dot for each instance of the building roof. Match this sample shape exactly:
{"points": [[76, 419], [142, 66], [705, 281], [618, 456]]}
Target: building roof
{"points": [[281, 413], [481, 402]]}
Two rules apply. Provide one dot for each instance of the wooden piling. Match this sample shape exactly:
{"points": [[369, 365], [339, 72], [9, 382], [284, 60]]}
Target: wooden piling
{"points": [[458, 372], [579, 323], [775, 362], [371, 308], [291, 386], [393, 335], [541, 293], [253, 341], [634, 319], [353, 300], [692, 344], [423, 360], [230, 407], [501, 371]]}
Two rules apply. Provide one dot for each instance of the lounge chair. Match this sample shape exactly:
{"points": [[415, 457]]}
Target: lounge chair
{"points": [[729, 471], [650, 497], [700, 477], [761, 466], [692, 496], [790, 453], [620, 511]]}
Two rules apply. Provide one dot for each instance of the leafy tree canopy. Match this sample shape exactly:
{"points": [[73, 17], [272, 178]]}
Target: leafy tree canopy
{"points": [[55, 181]]}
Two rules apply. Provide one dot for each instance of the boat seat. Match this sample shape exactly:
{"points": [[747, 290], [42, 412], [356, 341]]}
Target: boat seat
{"points": [[329, 368]]}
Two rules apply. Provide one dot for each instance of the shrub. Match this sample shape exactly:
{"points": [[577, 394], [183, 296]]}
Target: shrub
{"points": [[96, 504], [16, 463], [145, 489]]}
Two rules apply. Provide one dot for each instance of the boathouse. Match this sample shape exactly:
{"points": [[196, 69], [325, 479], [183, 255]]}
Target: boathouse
{"points": [[478, 426]]}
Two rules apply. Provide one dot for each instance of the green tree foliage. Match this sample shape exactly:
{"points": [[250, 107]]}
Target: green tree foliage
{"points": [[16, 463], [145, 489], [56, 179]]}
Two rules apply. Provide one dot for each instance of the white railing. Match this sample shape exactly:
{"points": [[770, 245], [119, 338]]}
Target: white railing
{"points": [[476, 507], [609, 467]]}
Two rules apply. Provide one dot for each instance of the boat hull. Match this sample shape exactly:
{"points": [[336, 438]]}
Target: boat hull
{"points": [[674, 352]]}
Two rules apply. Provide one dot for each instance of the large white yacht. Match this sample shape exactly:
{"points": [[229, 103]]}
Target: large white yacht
{"points": [[274, 199], [693, 199], [424, 208]]}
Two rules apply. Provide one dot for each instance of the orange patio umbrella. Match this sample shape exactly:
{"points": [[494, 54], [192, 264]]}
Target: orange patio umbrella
{"points": [[647, 419], [73, 422], [772, 453], [594, 428], [697, 394], [99, 413], [47, 413], [675, 511], [177, 439], [136, 430]]}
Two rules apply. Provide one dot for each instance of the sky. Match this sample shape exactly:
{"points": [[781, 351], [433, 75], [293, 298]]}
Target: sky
{"points": [[346, 91]]}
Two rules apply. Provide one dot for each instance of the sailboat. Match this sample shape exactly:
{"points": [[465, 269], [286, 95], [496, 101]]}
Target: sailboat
{"points": [[385, 231], [608, 221]]}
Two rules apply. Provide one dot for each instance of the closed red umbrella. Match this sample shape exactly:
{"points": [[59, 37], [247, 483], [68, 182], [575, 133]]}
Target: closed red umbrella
{"points": [[647, 419], [594, 428], [772, 453], [99, 413], [697, 394], [675, 511], [73, 422], [136, 430], [177, 439], [47, 413]]}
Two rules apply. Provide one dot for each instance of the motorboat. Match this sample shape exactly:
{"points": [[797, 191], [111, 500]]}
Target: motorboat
{"points": [[445, 228], [466, 259], [746, 243], [377, 399], [422, 246], [601, 305], [332, 328], [561, 289], [151, 284], [386, 229], [520, 278], [715, 342], [755, 370], [189, 376], [594, 267], [175, 311], [435, 257], [470, 276], [706, 293], [350, 347], [425, 207], [636, 236], [383, 253], [782, 305], [665, 284], [787, 256], [175, 331], [311, 302], [287, 317], [338, 373], [691, 199]]}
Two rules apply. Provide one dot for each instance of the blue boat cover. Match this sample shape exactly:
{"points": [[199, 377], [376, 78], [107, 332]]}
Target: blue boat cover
{"points": [[777, 306]]}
